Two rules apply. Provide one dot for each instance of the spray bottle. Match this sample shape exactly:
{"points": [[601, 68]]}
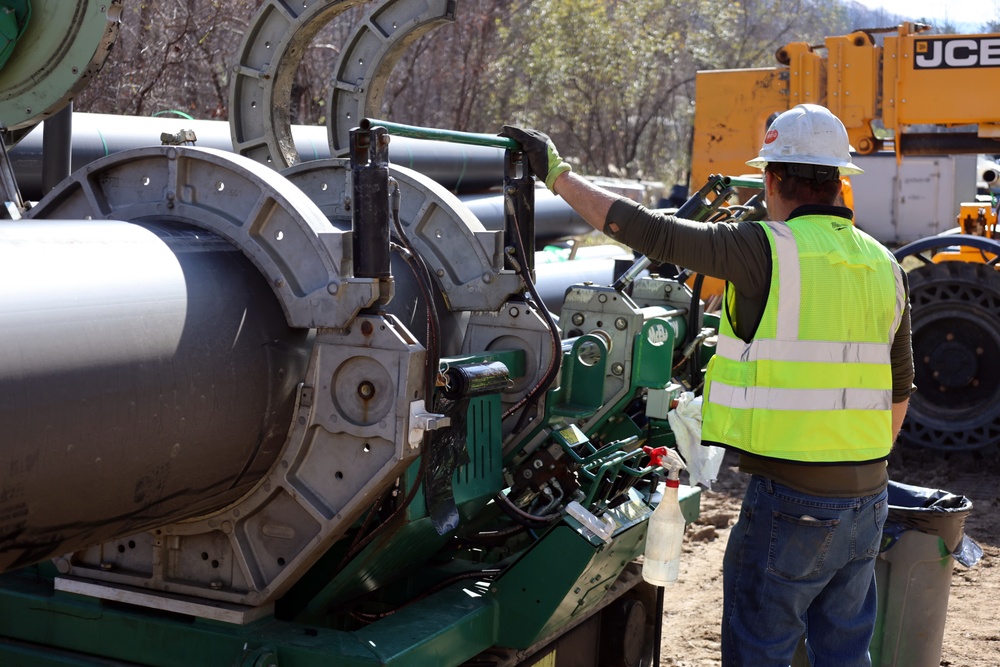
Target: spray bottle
{"points": [[666, 525]]}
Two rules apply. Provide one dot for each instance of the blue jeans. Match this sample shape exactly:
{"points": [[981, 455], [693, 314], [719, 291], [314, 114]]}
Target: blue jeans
{"points": [[799, 565]]}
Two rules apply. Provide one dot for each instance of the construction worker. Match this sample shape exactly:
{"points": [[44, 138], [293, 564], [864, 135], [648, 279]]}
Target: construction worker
{"points": [[809, 384]]}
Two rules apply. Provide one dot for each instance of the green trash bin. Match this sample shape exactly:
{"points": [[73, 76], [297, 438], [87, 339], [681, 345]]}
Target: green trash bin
{"points": [[924, 531]]}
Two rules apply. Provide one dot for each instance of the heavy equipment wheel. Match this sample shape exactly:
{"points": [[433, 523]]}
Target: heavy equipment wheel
{"points": [[956, 353], [625, 639]]}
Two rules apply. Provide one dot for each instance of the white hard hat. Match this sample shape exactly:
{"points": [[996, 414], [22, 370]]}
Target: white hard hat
{"points": [[807, 134]]}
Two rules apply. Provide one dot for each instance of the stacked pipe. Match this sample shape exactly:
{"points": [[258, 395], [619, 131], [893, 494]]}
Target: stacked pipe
{"points": [[471, 172]]}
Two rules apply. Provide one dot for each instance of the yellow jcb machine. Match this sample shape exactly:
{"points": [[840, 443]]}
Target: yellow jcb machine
{"points": [[917, 94]]}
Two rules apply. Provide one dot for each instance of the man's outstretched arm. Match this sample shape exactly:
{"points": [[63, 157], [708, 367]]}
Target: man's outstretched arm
{"points": [[590, 201]]}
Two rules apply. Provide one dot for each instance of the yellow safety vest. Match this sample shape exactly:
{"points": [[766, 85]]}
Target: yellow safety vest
{"points": [[814, 384]]}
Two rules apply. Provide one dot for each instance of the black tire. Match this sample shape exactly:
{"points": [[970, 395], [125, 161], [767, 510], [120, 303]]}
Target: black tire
{"points": [[956, 354], [624, 638]]}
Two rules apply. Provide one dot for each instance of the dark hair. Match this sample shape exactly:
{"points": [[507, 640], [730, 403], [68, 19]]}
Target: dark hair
{"points": [[803, 190]]}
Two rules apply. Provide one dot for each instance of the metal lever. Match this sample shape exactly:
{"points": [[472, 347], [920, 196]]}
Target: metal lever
{"points": [[471, 138]]}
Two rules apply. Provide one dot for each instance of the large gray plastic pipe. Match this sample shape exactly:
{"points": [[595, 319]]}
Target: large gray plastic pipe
{"points": [[145, 377]]}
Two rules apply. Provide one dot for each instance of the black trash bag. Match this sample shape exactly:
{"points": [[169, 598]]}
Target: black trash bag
{"points": [[934, 512]]}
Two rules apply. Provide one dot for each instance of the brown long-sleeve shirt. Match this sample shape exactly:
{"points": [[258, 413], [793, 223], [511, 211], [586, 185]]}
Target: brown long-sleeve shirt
{"points": [[741, 255]]}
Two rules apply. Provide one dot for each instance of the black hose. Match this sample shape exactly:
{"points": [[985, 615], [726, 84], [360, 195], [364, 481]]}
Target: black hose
{"points": [[523, 518], [422, 274], [431, 365], [529, 399], [694, 327], [363, 530], [360, 545], [478, 574], [432, 361]]}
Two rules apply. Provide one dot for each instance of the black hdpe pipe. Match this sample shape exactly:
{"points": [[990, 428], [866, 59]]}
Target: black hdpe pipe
{"points": [[146, 376], [554, 218], [56, 148], [459, 168], [469, 171]]}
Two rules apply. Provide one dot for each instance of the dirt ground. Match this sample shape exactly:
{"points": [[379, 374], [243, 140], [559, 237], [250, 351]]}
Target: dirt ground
{"points": [[972, 627]]}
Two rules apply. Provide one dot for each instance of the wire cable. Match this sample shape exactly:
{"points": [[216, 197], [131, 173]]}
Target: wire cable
{"points": [[555, 359]]}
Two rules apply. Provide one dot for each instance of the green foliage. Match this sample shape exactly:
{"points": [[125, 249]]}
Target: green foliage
{"points": [[612, 81], [596, 73]]}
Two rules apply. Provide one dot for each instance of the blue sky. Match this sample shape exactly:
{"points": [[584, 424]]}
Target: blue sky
{"points": [[969, 15]]}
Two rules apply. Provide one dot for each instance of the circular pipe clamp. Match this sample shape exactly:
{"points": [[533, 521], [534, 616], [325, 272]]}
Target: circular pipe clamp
{"points": [[305, 260], [260, 93], [465, 259]]}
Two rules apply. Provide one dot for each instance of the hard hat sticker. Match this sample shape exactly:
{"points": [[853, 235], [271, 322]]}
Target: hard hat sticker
{"points": [[771, 136]]}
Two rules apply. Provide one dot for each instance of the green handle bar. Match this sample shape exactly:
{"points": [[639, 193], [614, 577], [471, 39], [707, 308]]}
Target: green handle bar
{"points": [[748, 182], [492, 141], [413, 132]]}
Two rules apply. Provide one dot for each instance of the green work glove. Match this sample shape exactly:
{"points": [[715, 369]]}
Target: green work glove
{"points": [[543, 159]]}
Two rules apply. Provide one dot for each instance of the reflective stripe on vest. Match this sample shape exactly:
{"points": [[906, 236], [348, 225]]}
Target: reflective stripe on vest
{"points": [[773, 398], [804, 350], [790, 286]]}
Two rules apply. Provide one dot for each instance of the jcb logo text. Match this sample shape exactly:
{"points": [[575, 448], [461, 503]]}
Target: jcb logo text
{"points": [[956, 52]]}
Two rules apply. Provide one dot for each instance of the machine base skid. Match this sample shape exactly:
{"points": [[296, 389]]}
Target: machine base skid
{"points": [[47, 620], [55, 628]]}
